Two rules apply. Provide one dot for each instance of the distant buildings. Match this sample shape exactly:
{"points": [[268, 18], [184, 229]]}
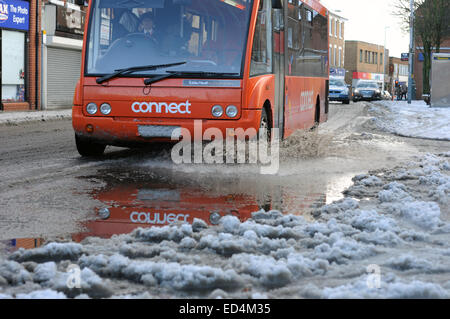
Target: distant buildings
{"points": [[398, 71], [365, 61], [418, 64], [337, 45]]}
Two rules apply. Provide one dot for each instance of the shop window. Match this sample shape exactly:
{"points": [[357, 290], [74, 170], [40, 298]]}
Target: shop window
{"points": [[13, 66]]}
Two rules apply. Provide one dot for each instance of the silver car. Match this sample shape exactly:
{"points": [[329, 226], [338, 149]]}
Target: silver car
{"points": [[368, 91], [339, 91]]}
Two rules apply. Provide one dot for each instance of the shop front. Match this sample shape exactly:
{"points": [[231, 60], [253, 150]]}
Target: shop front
{"points": [[63, 24], [14, 28], [364, 76]]}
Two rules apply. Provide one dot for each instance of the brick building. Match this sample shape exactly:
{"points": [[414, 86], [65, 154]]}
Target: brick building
{"points": [[63, 26], [398, 71], [20, 44], [337, 44], [40, 53], [365, 61], [418, 65]]}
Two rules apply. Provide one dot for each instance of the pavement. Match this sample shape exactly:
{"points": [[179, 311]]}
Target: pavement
{"points": [[13, 118]]}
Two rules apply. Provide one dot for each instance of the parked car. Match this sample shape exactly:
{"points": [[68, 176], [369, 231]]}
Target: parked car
{"points": [[339, 91], [368, 91]]}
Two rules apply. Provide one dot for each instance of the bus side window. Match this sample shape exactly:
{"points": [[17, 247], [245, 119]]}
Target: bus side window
{"points": [[294, 38], [312, 56], [261, 59]]}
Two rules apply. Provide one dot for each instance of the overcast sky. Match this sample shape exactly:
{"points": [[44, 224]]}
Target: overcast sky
{"points": [[367, 20]]}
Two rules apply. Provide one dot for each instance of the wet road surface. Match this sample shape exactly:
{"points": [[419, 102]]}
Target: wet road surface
{"points": [[48, 192]]}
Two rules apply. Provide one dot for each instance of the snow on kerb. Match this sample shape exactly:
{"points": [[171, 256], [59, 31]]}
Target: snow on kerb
{"points": [[412, 120], [13, 118]]}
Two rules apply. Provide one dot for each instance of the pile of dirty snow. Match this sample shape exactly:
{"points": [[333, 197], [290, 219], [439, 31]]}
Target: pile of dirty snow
{"points": [[412, 120], [388, 238]]}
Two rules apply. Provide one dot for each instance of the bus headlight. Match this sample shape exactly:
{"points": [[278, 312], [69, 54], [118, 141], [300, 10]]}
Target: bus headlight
{"points": [[105, 108], [231, 111], [104, 213], [217, 111], [91, 108]]}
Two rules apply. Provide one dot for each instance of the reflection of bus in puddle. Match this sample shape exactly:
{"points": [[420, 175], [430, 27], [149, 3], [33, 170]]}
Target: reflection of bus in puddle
{"points": [[127, 207]]}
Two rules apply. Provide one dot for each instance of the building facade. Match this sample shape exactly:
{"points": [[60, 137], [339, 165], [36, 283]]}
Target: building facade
{"points": [[62, 29], [336, 30], [398, 71], [365, 61], [40, 46], [418, 65], [20, 55]]}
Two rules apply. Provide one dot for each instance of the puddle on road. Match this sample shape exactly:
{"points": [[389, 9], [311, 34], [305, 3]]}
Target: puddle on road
{"points": [[136, 198], [157, 197]]}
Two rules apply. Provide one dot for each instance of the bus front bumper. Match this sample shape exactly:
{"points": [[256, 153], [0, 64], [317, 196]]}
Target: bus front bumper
{"points": [[123, 131]]}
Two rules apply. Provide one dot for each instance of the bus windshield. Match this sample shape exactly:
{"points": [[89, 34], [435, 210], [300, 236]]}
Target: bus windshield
{"points": [[209, 36]]}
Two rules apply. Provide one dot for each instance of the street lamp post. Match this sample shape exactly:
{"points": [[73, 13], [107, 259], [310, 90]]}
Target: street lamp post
{"points": [[411, 51], [384, 58]]}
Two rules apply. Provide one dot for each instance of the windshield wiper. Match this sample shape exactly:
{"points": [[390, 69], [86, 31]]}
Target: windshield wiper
{"points": [[129, 70], [189, 73]]}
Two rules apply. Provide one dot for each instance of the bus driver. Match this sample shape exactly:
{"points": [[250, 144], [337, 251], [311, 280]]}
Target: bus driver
{"points": [[146, 26]]}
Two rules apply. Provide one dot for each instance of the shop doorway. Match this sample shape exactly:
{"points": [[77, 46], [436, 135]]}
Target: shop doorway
{"points": [[12, 66], [1, 63]]}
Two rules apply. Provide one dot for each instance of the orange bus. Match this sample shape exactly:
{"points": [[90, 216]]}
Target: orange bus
{"points": [[151, 66]]}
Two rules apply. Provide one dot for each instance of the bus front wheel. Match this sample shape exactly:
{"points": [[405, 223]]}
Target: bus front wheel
{"points": [[265, 124], [88, 148]]}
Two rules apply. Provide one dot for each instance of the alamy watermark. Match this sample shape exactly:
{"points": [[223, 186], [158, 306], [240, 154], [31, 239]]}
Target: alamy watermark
{"points": [[373, 280], [238, 146], [74, 278]]}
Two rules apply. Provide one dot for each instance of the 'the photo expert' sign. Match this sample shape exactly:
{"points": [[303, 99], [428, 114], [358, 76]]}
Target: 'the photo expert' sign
{"points": [[14, 14]]}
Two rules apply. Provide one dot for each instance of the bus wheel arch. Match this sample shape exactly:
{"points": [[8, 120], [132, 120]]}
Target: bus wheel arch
{"points": [[266, 121], [88, 148], [268, 108], [317, 112]]}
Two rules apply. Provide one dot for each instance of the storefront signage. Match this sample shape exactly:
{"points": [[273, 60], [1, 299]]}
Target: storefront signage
{"points": [[14, 14], [337, 72], [368, 76], [405, 57]]}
